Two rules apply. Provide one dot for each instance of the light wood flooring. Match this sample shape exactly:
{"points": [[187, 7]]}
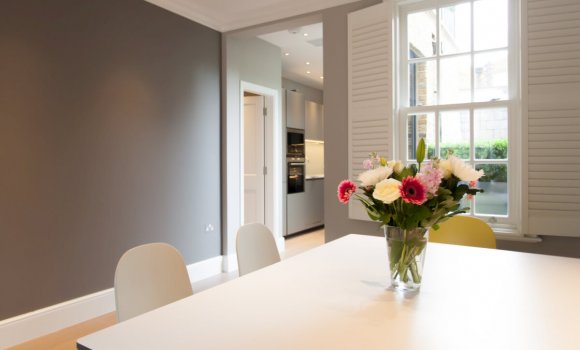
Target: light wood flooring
{"points": [[65, 339]]}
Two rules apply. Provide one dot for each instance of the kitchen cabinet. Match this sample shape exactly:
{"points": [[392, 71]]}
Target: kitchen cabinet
{"points": [[315, 198], [306, 210], [314, 165], [295, 110], [296, 212], [314, 121]]}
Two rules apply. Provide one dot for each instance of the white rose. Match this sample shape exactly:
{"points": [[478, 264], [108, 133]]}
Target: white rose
{"points": [[445, 166], [374, 176], [463, 171], [387, 191], [396, 165]]}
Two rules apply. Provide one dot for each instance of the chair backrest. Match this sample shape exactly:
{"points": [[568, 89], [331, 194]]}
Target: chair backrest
{"points": [[147, 277], [256, 248], [464, 230]]}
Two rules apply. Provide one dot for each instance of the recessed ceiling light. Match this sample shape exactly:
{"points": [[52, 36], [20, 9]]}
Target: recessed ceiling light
{"points": [[307, 63], [307, 72], [286, 53], [321, 77], [305, 34]]}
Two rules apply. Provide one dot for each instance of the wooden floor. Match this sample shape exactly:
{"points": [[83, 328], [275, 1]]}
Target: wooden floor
{"points": [[65, 339]]}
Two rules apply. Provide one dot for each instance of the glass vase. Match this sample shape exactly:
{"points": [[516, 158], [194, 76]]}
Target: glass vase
{"points": [[406, 254]]}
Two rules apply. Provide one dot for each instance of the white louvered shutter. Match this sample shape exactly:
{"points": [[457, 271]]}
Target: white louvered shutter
{"points": [[553, 105], [370, 90]]}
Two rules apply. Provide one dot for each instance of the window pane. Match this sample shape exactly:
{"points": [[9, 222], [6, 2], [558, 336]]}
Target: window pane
{"points": [[455, 81], [420, 126], [491, 133], [490, 26], [491, 76], [467, 202], [454, 134], [494, 201], [422, 34], [455, 30], [423, 83]]}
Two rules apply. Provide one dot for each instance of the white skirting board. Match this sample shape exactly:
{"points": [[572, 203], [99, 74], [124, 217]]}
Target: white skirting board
{"points": [[37, 323], [230, 263]]}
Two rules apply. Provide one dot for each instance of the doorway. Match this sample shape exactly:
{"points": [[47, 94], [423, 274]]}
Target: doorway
{"points": [[254, 162], [260, 174]]}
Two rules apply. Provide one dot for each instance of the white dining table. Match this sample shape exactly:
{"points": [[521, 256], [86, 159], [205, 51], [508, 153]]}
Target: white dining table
{"points": [[337, 296]]}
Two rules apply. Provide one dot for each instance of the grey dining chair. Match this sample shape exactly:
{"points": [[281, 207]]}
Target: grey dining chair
{"points": [[255, 248], [148, 277]]}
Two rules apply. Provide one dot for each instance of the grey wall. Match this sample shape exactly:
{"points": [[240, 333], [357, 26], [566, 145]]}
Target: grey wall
{"points": [[561, 246], [310, 93], [109, 138], [337, 223]]}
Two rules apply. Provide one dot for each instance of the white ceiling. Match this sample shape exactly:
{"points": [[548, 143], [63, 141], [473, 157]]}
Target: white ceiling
{"points": [[227, 15], [301, 50]]}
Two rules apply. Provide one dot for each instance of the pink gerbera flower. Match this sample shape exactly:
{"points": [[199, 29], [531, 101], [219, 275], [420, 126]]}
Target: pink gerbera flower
{"points": [[413, 191], [345, 189]]}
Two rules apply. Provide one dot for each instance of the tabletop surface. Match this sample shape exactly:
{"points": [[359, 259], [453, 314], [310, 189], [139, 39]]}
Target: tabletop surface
{"points": [[337, 297]]}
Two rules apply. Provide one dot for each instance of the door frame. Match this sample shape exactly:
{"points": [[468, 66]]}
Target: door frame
{"points": [[262, 181], [274, 160]]}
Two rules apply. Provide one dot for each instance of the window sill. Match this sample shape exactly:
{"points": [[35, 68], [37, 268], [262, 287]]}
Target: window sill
{"points": [[512, 236]]}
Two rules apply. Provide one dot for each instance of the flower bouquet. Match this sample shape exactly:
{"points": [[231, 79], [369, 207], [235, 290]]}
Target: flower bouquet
{"points": [[408, 201]]}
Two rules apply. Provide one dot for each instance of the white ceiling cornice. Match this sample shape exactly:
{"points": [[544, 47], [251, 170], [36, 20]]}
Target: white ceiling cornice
{"points": [[190, 10], [228, 15]]}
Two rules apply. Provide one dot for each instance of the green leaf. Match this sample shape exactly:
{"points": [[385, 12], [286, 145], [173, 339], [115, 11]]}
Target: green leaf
{"points": [[372, 216], [396, 248], [460, 192], [410, 171], [385, 217], [422, 213], [421, 151], [443, 192]]}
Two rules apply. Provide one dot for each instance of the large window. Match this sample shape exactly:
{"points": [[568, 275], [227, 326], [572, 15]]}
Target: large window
{"points": [[456, 91]]}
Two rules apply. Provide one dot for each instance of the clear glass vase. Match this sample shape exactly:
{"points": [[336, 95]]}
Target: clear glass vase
{"points": [[406, 253]]}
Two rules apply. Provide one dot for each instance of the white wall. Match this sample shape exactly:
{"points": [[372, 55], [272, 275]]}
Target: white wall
{"points": [[310, 93], [254, 61]]}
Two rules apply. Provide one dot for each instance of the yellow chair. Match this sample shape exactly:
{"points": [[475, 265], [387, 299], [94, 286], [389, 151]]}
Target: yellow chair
{"points": [[464, 230]]}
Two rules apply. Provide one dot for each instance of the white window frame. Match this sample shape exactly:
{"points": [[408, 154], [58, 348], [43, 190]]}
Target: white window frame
{"points": [[501, 224]]}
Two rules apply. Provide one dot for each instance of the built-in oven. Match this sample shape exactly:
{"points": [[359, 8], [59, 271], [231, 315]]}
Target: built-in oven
{"points": [[295, 143], [296, 174]]}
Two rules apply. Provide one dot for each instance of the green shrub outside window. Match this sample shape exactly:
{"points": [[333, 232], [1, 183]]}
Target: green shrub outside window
{"points": [[494, 149]]}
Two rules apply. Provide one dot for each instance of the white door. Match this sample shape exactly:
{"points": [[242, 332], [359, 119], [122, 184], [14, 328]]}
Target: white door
{"points": [[253, 159]]}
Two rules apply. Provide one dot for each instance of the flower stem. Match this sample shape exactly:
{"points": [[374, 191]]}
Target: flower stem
{"points": [[402, 265], [415, 272]]}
